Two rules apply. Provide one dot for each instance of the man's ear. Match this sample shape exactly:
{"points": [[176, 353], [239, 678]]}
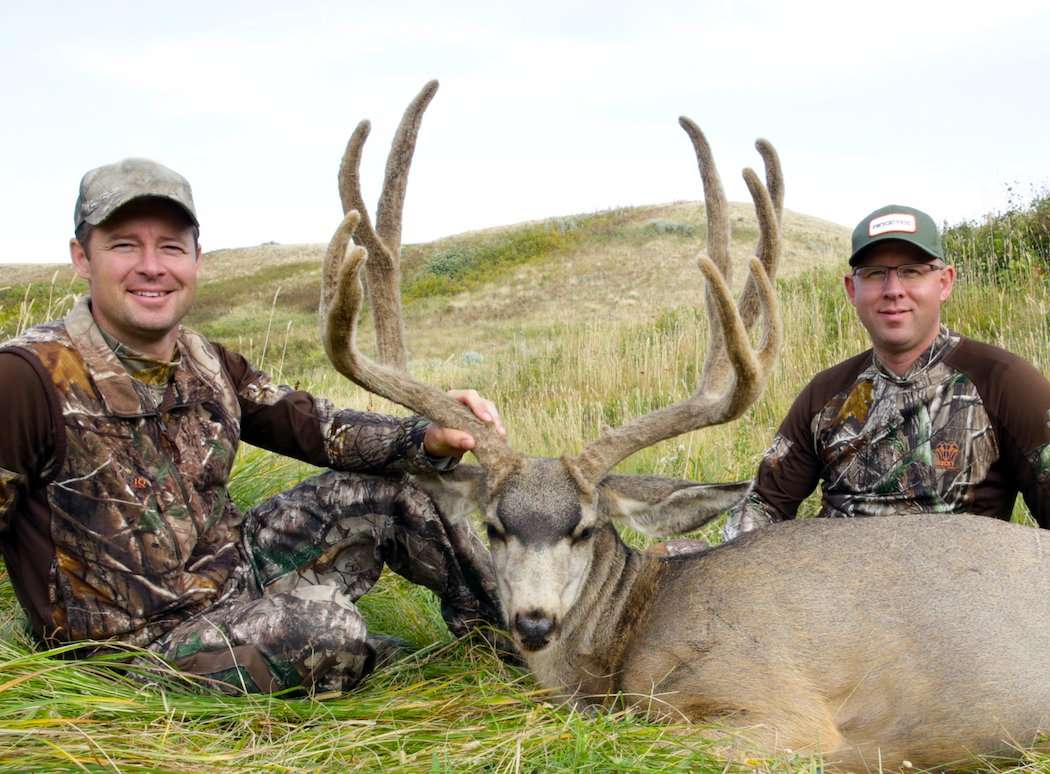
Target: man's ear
{"points": [[81, 263], [851, 289], [947, 281]]}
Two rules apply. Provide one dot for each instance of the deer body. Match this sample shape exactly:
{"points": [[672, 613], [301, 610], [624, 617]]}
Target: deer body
{"points": [[923, 637]]}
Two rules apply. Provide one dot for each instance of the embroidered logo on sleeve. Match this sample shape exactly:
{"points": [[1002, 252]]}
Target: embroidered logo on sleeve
{"points": [[945, 453]]}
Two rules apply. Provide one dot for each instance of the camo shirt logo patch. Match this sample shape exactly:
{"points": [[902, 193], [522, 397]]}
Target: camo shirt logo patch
{"points": [[944, 455]]}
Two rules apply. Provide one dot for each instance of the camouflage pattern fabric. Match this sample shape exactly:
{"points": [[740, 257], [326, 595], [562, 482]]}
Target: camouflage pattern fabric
{"points": [[886, 444], [133, 536], [316, 549], [143, 529]]}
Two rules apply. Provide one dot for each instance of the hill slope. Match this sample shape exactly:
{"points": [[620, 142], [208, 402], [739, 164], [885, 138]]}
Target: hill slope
{"points": [[624, 264]]}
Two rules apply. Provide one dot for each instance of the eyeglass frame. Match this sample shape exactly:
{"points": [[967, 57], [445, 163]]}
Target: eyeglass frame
{"points": [[928, 269]]}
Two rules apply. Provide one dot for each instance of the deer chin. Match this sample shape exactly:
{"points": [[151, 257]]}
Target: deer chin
{"points": [[534, 645]]}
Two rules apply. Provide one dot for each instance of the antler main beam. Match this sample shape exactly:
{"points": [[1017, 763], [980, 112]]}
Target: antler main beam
{"points": [[734, 374]]}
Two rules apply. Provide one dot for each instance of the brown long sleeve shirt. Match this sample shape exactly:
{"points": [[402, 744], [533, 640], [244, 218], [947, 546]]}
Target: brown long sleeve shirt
{"points": [[964, 431]]}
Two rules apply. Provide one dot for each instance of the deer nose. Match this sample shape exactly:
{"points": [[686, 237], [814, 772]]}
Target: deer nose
{"points": [[534, 628]]}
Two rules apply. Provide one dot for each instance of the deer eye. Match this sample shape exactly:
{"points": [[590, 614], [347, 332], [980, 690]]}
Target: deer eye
{"points": [[494, 533], [583, 535]]}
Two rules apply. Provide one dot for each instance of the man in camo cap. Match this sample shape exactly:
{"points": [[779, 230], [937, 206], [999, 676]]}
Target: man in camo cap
{"points": [[115, 518], [924, 421]]}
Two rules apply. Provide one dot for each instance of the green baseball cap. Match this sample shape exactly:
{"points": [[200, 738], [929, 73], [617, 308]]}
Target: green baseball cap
{"points": [[106, 189], [896, 221]]}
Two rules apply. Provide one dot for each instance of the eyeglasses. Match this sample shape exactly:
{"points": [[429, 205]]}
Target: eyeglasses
{"points": [[908, 274]]}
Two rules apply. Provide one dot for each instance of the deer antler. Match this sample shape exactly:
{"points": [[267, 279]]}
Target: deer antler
{"points": [[734, 374], [342, 296], [384, 241]]}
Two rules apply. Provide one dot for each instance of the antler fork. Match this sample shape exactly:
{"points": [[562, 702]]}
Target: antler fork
{"points": [[734, 374], [383, 242]]}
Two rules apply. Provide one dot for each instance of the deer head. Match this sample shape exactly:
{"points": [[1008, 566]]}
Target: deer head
{"points": [[549, 520]]}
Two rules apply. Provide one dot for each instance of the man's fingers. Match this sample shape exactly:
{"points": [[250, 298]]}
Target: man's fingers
{"points": [[457, 439], [483, 409], [446, 442]]}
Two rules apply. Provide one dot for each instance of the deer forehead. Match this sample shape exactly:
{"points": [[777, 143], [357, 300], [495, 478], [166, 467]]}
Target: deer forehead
{"points": [[542, 502]]}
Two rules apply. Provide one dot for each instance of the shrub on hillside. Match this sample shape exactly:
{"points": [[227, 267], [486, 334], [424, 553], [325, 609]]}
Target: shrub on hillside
{"points": [[1006, 244]]}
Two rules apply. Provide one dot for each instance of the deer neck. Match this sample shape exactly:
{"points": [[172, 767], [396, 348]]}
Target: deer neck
{"points": [[610, 607]]}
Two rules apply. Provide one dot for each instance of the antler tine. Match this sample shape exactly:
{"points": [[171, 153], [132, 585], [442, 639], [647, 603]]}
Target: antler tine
{"points": [[392, 200], [714, 198], [774, 175], [333, 261], [350, 192], [768, 248], [772, 198], [383, 241], [717, 367], [773, 330], [339, 334], [384, 271]]}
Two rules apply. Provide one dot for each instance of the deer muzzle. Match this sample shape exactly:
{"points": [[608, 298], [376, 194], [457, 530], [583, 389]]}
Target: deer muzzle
{"points": [[534, 628]]}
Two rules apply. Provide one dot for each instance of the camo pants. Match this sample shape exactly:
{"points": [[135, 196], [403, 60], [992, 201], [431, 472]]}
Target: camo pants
{"points": [[314, 550]]}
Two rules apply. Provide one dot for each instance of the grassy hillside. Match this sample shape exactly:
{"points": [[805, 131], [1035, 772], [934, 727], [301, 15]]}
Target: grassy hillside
{"points": [[481, 292], [569, 324]]}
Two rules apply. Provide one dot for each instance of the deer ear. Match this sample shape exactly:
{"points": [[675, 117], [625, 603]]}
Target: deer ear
{"points": [[662, 507], [458, 493]]}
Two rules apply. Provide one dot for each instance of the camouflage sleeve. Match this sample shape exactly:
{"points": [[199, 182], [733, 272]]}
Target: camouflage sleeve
{"points": [[27, 443], [1037, 495], [788, 473], [749, 514], [296, 424]]}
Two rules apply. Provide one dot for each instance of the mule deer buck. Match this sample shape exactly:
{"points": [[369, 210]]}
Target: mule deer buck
{"points": [[877, 641]]}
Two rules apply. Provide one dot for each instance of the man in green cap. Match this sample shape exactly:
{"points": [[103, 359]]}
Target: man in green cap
{"points": [[925, 421], [122, 426]]}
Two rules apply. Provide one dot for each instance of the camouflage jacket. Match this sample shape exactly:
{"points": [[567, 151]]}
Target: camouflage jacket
{"points": [[965, 430], [115, 520]]}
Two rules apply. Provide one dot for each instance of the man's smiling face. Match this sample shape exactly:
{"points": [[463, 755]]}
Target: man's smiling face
{"points": [[902, 317], [141, 266]]}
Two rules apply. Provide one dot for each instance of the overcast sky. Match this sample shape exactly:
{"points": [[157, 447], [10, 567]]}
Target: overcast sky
{"points": [[550, 108]]}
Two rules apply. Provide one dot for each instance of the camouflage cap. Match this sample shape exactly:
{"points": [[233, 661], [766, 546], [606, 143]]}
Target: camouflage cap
{"points": [[106, 189], [897, 221]]}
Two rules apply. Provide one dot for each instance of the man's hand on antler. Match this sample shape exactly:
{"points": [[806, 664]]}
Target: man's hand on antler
{"points": [[446, 442]]}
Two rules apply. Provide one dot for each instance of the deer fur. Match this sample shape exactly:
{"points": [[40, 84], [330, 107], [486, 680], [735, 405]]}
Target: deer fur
{"points": [[923, 638]]}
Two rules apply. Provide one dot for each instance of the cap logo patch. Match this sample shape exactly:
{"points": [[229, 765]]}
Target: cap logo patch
{"points": [[894, 221]]}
